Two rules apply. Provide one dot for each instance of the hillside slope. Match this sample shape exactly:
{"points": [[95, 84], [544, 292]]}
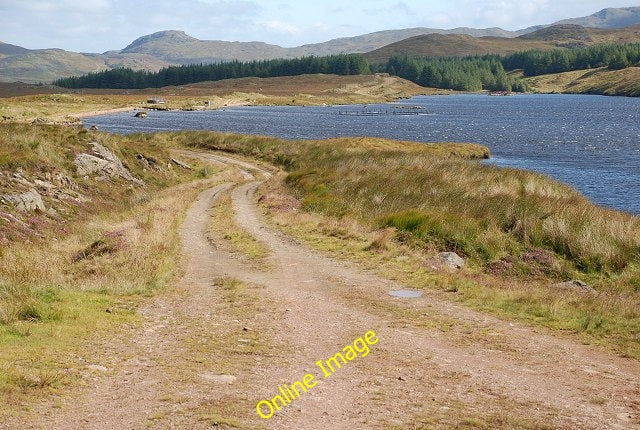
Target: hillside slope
{"points": [[439, 45], [558, 36], [624, 82]]}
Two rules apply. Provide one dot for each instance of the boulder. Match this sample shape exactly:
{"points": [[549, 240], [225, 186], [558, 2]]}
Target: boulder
{"points": [[574, 285], [26, 202], [446, 261], [88, 164], [141, 114], [104, 163]]}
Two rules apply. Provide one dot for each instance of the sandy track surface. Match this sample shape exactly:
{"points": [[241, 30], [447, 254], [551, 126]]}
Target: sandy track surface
{"points": [[448, 366]]}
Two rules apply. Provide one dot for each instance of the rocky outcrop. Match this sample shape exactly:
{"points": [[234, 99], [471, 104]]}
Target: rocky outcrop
{"points": [[104, 164], [25, 202], [446, 261], [41, 193]]}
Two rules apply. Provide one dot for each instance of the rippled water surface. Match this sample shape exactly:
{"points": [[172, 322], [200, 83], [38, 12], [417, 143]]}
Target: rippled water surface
{"points": [[589, 142]]}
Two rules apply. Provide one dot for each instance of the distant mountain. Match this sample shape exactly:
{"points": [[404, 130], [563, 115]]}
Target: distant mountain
{"points": [[177, 47], [46, 65], [165, 48], [8, 49], [557, 36], [608, 18]]}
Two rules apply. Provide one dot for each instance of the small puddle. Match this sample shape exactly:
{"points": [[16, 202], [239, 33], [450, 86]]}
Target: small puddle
{"points": [[406, 294]]}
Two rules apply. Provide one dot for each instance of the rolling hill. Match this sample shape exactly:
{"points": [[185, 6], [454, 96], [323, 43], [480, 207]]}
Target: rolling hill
{"points": [[165, 48], [176, 47], [557, 36]]}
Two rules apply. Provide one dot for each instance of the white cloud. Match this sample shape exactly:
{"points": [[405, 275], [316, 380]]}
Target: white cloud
{"points": [[280, 27], [399, 8]]}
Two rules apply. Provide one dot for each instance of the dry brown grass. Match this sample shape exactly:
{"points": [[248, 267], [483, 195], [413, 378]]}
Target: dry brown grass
{"points": [[625, 82]]}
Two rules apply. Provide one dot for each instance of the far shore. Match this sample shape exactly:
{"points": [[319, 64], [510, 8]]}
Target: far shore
{"points": [[103, 112]]}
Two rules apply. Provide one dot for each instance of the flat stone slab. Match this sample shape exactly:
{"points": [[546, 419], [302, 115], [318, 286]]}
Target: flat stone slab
{"points": [[218, 379], [406, 294]]}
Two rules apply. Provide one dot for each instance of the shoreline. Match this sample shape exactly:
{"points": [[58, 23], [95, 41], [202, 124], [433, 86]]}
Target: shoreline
{"points": [[103, 112]]}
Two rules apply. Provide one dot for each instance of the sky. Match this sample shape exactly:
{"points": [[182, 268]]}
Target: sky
{"points": [[102, 25]]}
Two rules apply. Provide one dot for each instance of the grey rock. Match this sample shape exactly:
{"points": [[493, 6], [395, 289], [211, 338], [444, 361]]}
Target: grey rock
{"points": [[21, 180], [26, 202], [574, 285], [181, 164], [88, 164], [446, 261], [103, 163], [141, 114], [149, 162]]}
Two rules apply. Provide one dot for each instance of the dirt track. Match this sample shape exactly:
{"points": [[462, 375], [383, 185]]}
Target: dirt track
{"points": [[473, 370]]}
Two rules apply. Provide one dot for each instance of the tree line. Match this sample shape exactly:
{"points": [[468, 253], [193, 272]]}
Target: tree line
{"points": [[463, 74], [125, 78], [488, 72], [613, 56]]}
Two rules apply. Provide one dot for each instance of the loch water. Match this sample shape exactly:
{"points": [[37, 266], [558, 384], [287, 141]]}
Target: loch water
{"points": [[589, 142]]}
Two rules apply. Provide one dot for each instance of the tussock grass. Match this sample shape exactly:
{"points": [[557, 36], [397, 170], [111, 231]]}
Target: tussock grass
{"points": [[449, 203], [374, 199]]}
